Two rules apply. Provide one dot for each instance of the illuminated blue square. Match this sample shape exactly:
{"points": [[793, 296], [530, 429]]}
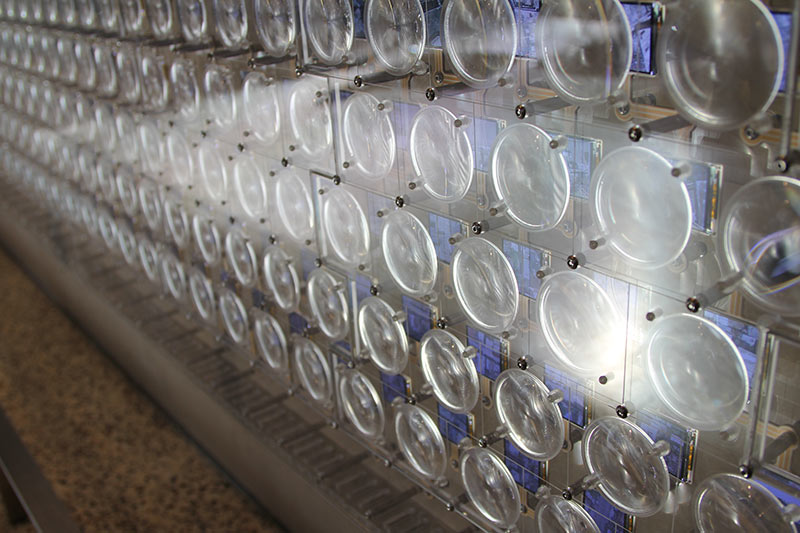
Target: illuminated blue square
{"points": [[393, 387], [744, 336], [433, 24], [297, 324], [441, 229], [489, 361], [573, 406], [608, 518], [419, 318], [640, 17], [525, 471], [307, 258], [363, 286], [680, 439], [525, 262], [358, 19], [454, 427]]}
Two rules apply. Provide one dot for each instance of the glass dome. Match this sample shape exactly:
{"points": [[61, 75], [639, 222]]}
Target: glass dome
{"points": [[207, 238], [161, 15], [107, 227], [174, 275], [294, 206], [250, 187], [220, 94], [409, 253], [530, 414], [261, 108], [420, 441], [761, 242], [185, 89], [490, 487], [627, 464], [485, 285], [241, 256], [396, 33], [717, 80], [441, 153], [554, 514], [310, 119], [231, 18], [580, 323], [640, 207], [128, 243], [130, 89], [330, 29], [451, 374], [346, 227], [202, 292], [585, 48], [281, 278], [213, 173], [368, 135], [148, 256], [313, 369], [382, 333], [193, 15], [180, 157], [155, 88], [271, 342], [276, 26], [150, 200], [361, 404], [127, 193], [328, 301], [530, 176], [480, 39], [177, 222], [234, 315], [726, 502], [697, 371]]}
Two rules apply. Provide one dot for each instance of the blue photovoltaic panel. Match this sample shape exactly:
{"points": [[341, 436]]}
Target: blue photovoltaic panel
{"points": [[681, 442], [342, 351], [377, 203], [259, 299], [441, 229], [526, 262], [608, 518], [363, 285], [489, 361], [358, 19], [744, 336], [642, 23], [297, 324], [482, 135], [702, 186], [393, 386], [307, 258], [573, 407], [581, 155], [785, 489], [784, 22], [527, 14], [454, 427], [433, 21], [419, 318], [525, 471]]}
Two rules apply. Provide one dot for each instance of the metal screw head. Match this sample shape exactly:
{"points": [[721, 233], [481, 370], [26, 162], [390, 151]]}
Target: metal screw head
{"points": [[522, 363], [273, 239], [246, 133], [635, 133], [240, 146], [345, 164], [430, 94], [602, 380], [230, 158], [746, 471], [450, 507], [438, 78], [291, 148], [782, 164], [412, 186], [486, 401], [317, 262], [307, 242], [650, 316], [298, 72], [262, 220], [336, 180], [374, 290], [477, 229], [693, 304], [233, 220], [285, 162], [572, 262], [203, 133], [441, 323], [358, 81], [482, 442], [399, 201], [540, 274], [251, 63], [521, 112], [622, 411], [566, 494], [750, 133], [593, 245], [387, 463]]}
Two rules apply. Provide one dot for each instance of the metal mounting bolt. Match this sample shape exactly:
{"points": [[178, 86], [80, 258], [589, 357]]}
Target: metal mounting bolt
{"points": [[635, 133], [285, 162], [693, 304], [572, 262], [374, 290], [622, 411], [430, 94], [317, 262], [336, 180], [477, 229], [358, 81], [521, 112], [399, 201], [522, 363]]}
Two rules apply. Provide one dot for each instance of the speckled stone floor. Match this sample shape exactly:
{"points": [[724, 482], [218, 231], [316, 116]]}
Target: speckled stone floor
{"points": [[114, 458]]}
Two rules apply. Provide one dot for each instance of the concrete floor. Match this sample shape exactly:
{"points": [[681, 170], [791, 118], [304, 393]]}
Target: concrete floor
{"points": [[114, 458]]}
